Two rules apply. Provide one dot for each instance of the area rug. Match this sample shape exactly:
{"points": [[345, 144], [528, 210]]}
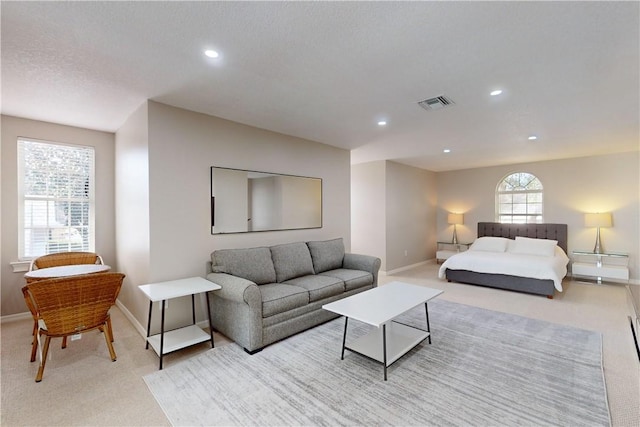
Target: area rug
{"points": [[483, 368]]}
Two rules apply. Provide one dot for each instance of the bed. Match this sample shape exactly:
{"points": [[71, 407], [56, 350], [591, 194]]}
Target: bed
{"points": [[518, 257]]}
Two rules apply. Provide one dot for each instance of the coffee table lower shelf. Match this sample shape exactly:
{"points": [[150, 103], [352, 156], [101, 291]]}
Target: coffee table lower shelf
{"points": [[400, 340], [178, 339]]}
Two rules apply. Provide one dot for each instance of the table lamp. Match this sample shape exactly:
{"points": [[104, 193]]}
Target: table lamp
{"points": [[454, 218], [597, 220]]}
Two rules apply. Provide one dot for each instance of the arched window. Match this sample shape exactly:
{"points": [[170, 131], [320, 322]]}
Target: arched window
{"points": [[519, 199]]}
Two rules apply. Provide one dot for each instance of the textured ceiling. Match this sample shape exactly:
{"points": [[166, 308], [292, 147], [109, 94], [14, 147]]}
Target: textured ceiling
{"points": [[328, 71]]}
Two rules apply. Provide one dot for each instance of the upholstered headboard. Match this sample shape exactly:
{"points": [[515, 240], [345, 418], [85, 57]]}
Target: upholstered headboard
{"points": [[536, 231]]}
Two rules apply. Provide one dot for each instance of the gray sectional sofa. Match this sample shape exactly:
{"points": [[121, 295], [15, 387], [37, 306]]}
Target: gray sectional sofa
{"points": [[270, 293]]}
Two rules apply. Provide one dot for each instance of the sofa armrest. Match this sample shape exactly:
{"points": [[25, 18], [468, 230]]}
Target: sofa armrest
{"points": [[236, 309], [237, 289], [367, 263]]}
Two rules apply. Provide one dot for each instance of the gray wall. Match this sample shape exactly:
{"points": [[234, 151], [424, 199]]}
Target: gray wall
{"points": [[103, 142]]}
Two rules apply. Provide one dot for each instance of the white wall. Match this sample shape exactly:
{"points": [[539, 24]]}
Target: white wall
{"points": [[368, 211], [411, 215], [393, 213], [103, 142], [132, 208], [182, 146], [571, 187]]}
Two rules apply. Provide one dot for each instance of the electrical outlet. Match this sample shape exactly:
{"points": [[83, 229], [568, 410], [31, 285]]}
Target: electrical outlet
{"points": [[76, 337]]}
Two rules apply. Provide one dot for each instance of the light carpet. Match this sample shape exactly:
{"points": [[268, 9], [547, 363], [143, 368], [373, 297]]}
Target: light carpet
{"points": [[482, 368]]}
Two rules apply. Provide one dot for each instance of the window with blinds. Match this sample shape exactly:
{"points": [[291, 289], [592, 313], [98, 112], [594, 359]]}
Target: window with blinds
{"points": [[519, 199], [56, 198]]}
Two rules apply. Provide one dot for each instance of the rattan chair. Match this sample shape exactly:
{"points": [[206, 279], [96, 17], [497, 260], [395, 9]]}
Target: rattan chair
{"points": [[70, 305], [65, 258], [57, 260]]}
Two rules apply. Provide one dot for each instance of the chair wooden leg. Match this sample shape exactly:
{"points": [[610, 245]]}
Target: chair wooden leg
{"points": [[110, 328], [34, 347], [64, 342], [107, 338], [35, 327], [102, 329], [45, 350]]}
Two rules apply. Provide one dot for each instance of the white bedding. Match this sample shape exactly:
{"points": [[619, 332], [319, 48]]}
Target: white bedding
{"points": [[514, 264]]}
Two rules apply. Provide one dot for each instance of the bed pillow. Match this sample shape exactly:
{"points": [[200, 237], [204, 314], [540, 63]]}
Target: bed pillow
{"points": [[490, 244], [528, 246]]}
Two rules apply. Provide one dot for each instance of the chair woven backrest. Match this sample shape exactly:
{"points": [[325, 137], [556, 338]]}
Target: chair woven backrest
{"points": [[66, 258], [72, 304]]}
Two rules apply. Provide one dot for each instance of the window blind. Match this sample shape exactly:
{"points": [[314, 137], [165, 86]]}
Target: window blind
{"points": [[56, 193]]}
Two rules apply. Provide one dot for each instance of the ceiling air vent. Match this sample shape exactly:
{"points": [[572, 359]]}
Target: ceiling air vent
{"points": [[437, 103]]}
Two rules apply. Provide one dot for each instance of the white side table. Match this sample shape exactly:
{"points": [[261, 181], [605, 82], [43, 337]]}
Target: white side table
{"points": [[607, 265], [167, 342], [446, 250]]}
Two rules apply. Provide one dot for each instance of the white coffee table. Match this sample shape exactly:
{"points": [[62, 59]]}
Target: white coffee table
{"points": [[167, 342], [390, 340]]}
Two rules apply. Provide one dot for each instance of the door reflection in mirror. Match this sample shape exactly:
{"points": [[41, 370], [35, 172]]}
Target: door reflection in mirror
{"points": [[245, 201]]}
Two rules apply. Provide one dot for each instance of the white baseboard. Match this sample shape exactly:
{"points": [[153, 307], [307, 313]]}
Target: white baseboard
{"points": [[137, 325], [142, 329], [407, 267], [15, 317]]}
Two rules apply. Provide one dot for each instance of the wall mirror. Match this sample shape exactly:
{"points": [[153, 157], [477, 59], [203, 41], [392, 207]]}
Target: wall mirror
{"points": [[245, 201]]}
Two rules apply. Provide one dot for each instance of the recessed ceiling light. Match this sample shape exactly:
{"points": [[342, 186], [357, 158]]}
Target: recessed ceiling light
{"points": [[532, 138], [496, 92], [446, 150], [382, 123], [211, 53]]}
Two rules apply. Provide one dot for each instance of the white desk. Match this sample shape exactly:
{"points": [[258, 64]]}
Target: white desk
{"points": [[167, 342], [65, 271], [378, 307]]}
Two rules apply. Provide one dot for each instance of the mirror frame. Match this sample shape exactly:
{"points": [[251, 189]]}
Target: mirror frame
{"points": [[274, 174]]}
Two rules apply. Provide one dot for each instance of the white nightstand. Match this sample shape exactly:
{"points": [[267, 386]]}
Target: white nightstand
{"points": [[608, 265], [166, 342], [447, 249]]}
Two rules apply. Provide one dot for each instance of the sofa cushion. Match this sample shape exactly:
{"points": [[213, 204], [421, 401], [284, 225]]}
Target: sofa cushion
{"points": [[278, 298], [319, 287], [291, 260], [327, 254], [253, 264], [352, 278]]}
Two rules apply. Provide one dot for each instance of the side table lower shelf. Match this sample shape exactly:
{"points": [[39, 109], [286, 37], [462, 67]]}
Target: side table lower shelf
{"points": [[178, 339], [615, 272]]}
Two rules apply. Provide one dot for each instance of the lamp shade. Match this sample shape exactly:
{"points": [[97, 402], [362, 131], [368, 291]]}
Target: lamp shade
{"points": [[454, 218], [597, 219]]}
